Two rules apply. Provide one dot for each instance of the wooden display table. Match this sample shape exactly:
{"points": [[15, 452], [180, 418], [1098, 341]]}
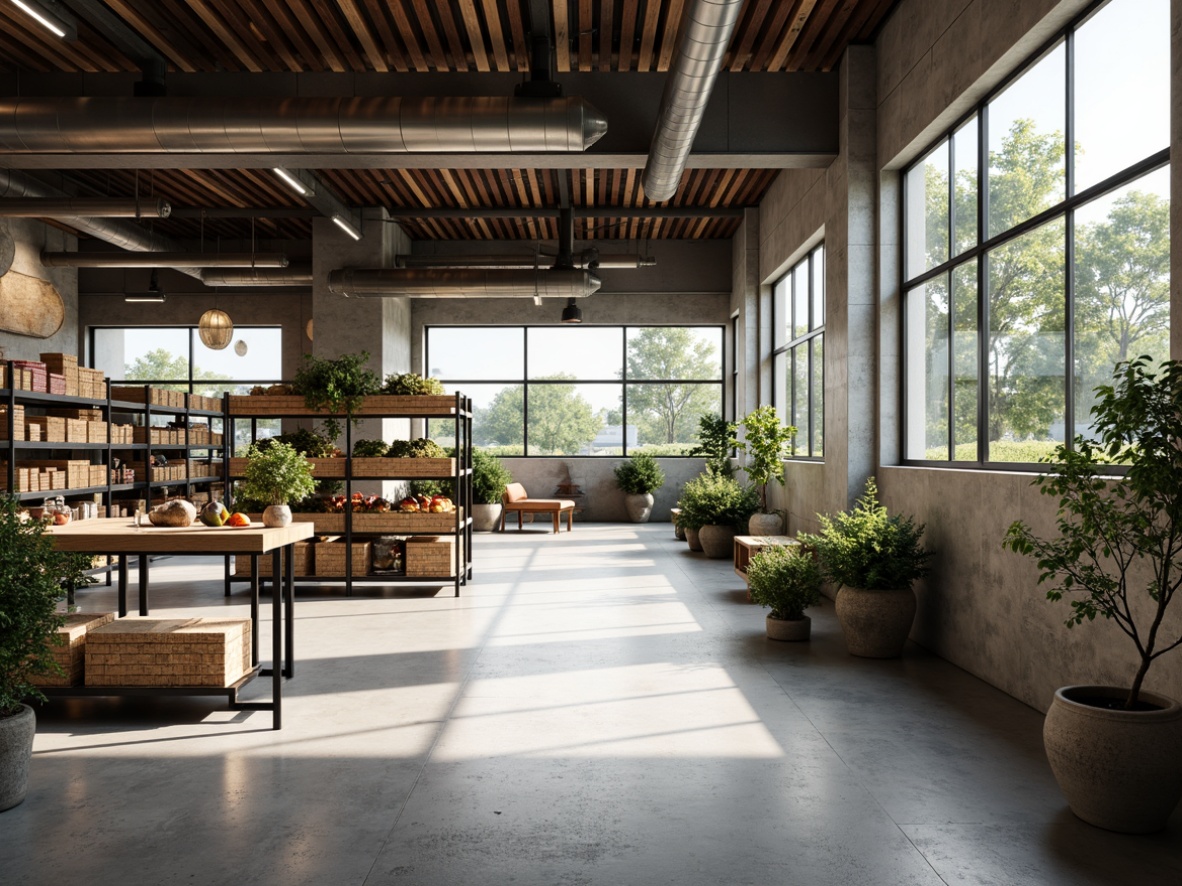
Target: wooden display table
{"points": [[120, 536], [747, 546]]}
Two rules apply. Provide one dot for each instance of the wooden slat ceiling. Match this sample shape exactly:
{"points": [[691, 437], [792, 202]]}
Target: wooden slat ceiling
{"points": [[205, 36]]}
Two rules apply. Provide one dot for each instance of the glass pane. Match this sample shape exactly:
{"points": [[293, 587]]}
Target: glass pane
{"points": [[498, 421], [936, 376], [663, 418], [584, 352], [965, 396], [264, 427], [1122, 88], [926, 193], [817, 420], [461, 352], [782, 383], [1026, 348], [143, 353], [1122, 284], [254, 355], [800, 386], [965, 147], [1026, 126], [800, 300], [818, 287], [782, 310], [674, 353], [566, 418]]}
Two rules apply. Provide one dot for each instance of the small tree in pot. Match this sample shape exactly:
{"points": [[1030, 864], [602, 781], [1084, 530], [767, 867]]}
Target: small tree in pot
{"points": [[277, 475], [1117, 751], [787, 580], [489, 479], [767, 443], [716, 439], [717, 507], [639, 477], [874, 558]]}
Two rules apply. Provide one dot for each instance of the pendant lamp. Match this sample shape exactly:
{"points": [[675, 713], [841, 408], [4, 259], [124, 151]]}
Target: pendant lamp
{"points": [[216, 329]]}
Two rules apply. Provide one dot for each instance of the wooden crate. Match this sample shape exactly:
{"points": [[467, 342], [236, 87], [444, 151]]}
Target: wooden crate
{"points": [[302, 565], [431, 556], [324, 523], [96, 432], [212, 652], [414, 468], [70, 649], [377, 404], [77, 431], [329, 558], [53, 428], [394, 522]]}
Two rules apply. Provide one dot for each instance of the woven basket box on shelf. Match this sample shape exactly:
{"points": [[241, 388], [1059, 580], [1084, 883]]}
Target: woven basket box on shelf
{"points": [[377, 404], [404, 467], [324, 523], [70, 652], [428, 555], [329, 558], [213, 652], [393, 522], [302, 561]]}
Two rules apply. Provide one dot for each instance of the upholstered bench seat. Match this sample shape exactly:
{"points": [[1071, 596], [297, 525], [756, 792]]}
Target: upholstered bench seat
{"points": [[517, 499]]}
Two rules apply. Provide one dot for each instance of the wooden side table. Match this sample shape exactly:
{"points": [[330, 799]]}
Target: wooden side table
{"points": [[747, 546]]}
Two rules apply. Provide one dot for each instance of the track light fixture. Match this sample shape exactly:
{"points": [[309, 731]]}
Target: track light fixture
{"points": [[292, 182], [153, 295], [572, 313], [41, 16]]}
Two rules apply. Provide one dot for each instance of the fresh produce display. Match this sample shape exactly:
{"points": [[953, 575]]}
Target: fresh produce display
{"points": [[411, 383], [214, 514], [238, 520], [177, 512], [437, 504], [420, 448]]}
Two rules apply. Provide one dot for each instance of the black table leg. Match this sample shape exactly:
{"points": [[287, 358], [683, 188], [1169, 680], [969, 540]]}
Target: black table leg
{"points": [[276, 641], [289, 601], [143, 570], [254, 609], [122, 585]]}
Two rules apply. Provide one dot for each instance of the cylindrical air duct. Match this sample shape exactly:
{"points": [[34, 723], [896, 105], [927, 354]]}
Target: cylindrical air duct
{"points": [[294, 275], [163, 259], [509, 260], [462, 283], [95, 207]]}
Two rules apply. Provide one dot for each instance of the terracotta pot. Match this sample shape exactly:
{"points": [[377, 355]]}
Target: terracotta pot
{"points": [[277, 516], [765, 524], [691, 537], [1119, 770], [16, 750], [639, 507], [718, 542], [789, 629], [486, 518], [875, 624]]}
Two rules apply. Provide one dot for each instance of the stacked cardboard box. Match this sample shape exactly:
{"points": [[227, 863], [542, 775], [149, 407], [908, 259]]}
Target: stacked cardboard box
{"points": [[18, 423], [65, 365], [92, 383]]}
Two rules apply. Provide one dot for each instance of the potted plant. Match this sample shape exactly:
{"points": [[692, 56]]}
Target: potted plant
{"points": [[787, 580], [1116, 751], [339, 385], [716, 439], [714, 507], [639, 477], [489, 479], [31, 571], [873, 557], [277, 474], [767, 443]]}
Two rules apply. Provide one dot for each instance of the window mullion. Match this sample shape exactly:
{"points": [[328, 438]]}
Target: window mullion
{"points": [[1069, 252], [982, 286]]}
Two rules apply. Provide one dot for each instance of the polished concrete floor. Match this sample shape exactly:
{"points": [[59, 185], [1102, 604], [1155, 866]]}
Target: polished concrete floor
{"points": [[598, 708]]}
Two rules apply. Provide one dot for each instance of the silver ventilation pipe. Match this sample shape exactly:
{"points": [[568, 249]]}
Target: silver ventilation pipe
{"points": [[293, 275], [617, 262], [163, 259], [463, 283], [705, 32], [95, 207], [381, 125]]}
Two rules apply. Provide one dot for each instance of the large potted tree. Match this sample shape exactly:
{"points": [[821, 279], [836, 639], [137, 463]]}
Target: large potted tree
{"points": [[278, 475], [873, 557], [1116, 751], [489, 479], [638, 478], [31, 574], [767, 442], [787, 580]]}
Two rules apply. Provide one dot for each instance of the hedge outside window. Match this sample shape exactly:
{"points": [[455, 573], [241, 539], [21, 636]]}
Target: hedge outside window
{"points": [[798, 311], [584, 390], [1031, 269]]}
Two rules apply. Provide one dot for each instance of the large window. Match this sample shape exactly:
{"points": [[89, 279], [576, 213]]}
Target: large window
{"points": [[1036, 244], [798, 309], [582, 390]]}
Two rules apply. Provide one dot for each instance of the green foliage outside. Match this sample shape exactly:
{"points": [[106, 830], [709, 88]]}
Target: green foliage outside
{"points": [[785, 580], [1121, 274], [561, 421], [1119, 538], [639, 475], [714, 500], [867, 547], [32, 573], [277, 475], [489, 478], [767, 444], [716, 438], [665, 412], [163, 364]]}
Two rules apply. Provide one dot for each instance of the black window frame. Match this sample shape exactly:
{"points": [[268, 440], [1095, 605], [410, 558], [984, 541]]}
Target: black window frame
{"points": [[788, 351]]}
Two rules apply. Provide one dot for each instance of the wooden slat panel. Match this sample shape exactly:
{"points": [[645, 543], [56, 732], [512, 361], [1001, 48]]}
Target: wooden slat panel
{"points": [[475, 37], [520, 50], [606, 34], [185, 60], [627, 32], [648, 35], [669, 35], [435, 56], [496, 35], [561, 22], [746, 33], [800, 23], [459, 56]]}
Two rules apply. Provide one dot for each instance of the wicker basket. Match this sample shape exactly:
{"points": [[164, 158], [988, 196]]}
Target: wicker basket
{"points": [[207, 652], [330, 558], [410, 468], [430, 556], [70, 653], [393, 522]]}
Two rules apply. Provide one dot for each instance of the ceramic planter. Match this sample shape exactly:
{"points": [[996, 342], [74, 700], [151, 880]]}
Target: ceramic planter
{"points": [[765, 524], [276, 516], [718, 542], [485, 518], [639, 506], [875, 624], [789, 629], [16, 750], [1119, 770], [692, 539]]}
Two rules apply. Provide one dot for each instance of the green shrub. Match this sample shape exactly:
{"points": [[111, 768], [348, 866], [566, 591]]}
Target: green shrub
{"points": [[420, 448], [305, 442], [714, 500], [639, 475], [785, 579], [868, 548], [335, 385], [489, 478], [277, 475], [411, 383], [370, 448]]}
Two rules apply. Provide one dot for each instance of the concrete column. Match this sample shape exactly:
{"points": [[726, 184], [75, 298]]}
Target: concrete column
{"points": [[754, 319]]}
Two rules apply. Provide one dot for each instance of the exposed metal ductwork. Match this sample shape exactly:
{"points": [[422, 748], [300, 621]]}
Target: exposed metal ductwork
{"points": [[703, 37], [125, 125], [163, 259], [620, 261], [293, 275], [463, 283], [95, 207]]}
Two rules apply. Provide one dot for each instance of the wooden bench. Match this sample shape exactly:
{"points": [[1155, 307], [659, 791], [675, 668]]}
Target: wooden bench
{"points": [[517, 499]]}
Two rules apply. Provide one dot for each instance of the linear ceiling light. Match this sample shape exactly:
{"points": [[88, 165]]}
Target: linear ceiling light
{"points": [[292, 182], [154, 293], [40, 15], [341, 222]]}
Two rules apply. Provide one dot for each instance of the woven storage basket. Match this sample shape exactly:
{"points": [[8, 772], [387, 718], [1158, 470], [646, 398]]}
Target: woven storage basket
{"points": [[71, 652], [428, 556], [210, 652], [415, 468], [329, 558]]}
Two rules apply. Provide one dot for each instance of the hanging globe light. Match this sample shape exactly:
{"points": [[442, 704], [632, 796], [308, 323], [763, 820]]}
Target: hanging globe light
{"points": [[240, 348], [216, 329]]}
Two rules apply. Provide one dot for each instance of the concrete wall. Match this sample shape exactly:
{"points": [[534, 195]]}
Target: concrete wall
{"points": [[30, 237]]}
